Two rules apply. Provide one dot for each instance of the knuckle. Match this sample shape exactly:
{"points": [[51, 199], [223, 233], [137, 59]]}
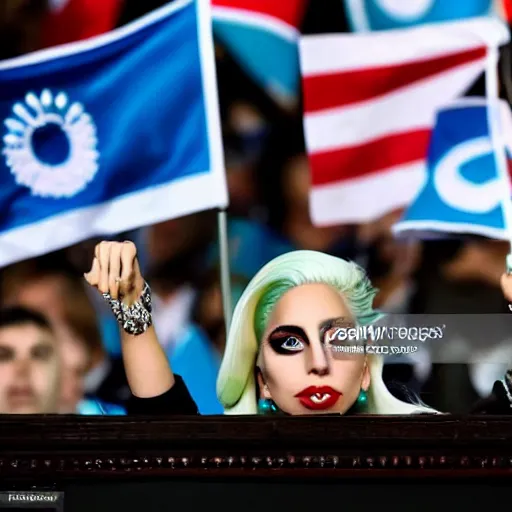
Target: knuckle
{"points": [[103, 247], [115, 247], [130, 247]]}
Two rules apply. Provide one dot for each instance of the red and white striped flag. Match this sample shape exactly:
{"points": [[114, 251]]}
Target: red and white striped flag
{"points": [[370, 102]]}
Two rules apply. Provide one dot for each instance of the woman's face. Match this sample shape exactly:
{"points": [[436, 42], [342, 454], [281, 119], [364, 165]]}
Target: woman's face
{"points": [[301, 370]]}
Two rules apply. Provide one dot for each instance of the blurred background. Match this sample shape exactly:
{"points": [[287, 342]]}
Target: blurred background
{"points": [[269, 181]]}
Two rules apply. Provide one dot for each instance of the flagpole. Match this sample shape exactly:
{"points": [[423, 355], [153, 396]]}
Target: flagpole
{"points": [[506, 71], [506, 79], [495, 121], [225, 280]]}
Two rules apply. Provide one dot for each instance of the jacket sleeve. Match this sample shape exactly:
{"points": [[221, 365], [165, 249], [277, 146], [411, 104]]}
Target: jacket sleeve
{"points": [[176, 401]]}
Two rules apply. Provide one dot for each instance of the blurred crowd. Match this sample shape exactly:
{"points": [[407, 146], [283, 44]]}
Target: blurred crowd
{"points": [[59, 345]]}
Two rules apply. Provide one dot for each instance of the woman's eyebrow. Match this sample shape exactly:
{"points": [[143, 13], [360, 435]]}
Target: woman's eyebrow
{"points": [[333, 323], [289, 329]]}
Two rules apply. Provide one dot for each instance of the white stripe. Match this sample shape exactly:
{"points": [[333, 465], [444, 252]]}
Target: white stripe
{"points": [[413, 107], [97, 41], [404, 228], [331, 53], [258, 20], [213, 123], [150, 206], [368, 198]]}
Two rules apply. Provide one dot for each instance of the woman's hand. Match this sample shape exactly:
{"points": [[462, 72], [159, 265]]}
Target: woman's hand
{"points": [[115, 270]]}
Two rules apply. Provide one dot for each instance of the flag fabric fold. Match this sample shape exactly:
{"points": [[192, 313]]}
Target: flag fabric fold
{"points": [[262, 36], [110, 134], [370, 15], [368, 114], [464, 192]]}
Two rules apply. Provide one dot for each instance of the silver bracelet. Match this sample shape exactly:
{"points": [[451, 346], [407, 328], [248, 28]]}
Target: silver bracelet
{"points": [[135, 319]]}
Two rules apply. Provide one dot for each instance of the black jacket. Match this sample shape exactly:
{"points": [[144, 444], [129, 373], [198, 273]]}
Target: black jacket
{"points": [[178, 401]]}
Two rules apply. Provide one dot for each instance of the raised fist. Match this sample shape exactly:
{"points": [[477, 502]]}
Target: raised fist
{"points": [[115, 270]]}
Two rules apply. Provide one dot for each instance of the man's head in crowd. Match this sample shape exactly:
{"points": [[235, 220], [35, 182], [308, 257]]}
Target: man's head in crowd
{"points": [[48, 286], [29, 363]]}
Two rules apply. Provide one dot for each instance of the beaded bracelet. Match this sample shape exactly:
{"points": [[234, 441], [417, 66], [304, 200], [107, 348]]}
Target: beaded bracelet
{"points": [[135, 319]]}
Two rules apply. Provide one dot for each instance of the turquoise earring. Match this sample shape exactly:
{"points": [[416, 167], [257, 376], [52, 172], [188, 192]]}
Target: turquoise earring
{"points": [[267, 406], [362, 400]]}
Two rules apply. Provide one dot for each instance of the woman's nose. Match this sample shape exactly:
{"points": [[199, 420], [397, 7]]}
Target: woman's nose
{"points": [[318, 363]]}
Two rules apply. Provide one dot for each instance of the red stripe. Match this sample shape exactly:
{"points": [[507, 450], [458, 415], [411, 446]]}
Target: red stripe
{"points": [[507, 7], [509, 167], [345, 88], [79, 19], [289, 11], [378, 155]]}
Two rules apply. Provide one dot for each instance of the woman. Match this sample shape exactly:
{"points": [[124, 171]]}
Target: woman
{"points": [[286, 322], [279, 355]]}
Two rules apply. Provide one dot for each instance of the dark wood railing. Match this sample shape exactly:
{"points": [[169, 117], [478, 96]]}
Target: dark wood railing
{"points": [[59, 448]]}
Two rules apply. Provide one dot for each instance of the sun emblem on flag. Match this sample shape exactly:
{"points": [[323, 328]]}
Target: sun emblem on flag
{"points": [[50, 145]]}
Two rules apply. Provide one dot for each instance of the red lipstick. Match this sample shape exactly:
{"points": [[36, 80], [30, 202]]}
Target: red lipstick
{"points": [[318, 398]]}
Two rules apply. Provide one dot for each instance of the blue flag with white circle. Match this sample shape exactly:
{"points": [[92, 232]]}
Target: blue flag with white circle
{"points": [[110, 134], [370, 15], [464, 193]]}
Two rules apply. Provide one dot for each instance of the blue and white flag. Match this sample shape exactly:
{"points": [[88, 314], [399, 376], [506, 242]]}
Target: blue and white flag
{"points": [[110, 134], [464, 191], [370, 15]]}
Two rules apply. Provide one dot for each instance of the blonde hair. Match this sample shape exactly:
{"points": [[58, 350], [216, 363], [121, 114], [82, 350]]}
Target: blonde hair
{"points": [[236, 383]]}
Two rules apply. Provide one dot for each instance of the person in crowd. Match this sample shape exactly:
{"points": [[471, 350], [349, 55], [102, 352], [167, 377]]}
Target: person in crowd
{"points": [[477, 271], [30, 368], [47, 286], [462, 277]]}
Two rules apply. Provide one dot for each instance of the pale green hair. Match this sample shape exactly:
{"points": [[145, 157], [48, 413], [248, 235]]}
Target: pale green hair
{"points": [[236, 384]]}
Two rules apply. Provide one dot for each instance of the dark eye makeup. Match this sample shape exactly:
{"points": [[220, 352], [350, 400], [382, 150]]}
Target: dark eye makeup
{"points": [[288, 340]]}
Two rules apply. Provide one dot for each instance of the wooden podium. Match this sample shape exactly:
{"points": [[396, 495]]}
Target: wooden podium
{"points": [[257, 463]]}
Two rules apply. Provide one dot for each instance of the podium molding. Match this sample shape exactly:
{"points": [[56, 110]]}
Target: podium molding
{"points": [[53, 449]]}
